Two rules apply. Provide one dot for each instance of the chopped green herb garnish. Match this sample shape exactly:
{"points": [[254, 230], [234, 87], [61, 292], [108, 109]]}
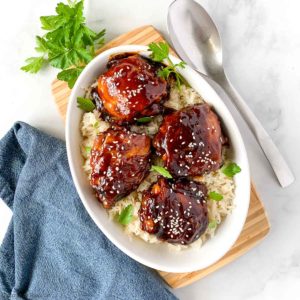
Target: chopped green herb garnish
{"points": [[88, 149], [162, 171], [212, 224], [85, 104], [126, 215], [231, 169], [159, 52], [215, 196], [96, 124], [144, 120], [68, 43]]}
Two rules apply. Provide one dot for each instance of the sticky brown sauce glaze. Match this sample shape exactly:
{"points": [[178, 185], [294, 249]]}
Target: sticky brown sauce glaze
{"points": [[97, 101], [175, 211], [120, 160], [130, 89], [190, 141]]}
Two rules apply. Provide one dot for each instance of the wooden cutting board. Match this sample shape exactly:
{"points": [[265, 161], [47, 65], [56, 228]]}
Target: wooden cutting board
{"points": [[257, 225]]}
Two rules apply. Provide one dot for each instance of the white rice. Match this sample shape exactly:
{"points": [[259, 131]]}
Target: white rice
{"points": [[92, 124], [184, 97]]}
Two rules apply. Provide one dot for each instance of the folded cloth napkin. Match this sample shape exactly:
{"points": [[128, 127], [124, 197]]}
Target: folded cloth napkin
{"points": [[53, 250]]}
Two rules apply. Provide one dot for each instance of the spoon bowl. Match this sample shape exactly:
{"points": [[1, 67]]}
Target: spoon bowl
{"points": [[199, 34], [196, 39]]}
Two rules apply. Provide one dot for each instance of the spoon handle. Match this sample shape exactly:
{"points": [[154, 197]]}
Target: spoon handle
{"points": [[276, 160]]}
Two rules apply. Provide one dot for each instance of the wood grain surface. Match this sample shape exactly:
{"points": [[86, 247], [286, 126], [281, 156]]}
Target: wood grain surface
{"points": [[256, 226]]}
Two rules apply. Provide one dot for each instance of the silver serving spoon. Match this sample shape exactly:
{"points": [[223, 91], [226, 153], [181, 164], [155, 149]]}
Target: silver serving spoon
{"points": [[196, 39]]}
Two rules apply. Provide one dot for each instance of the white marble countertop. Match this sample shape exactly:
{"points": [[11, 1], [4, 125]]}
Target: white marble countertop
{"points": [[262, 46]]}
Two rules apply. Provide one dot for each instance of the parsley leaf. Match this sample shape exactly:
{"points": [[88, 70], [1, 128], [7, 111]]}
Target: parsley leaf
{"points": [[70, 75], [231, 169], [87, 149], [212, 224], [165, 72], [68, 43], [70, 57], [162, 171], [215, 196], [126, 215], [159, 52], [51, 22], [40, 45], [144, 120], [34, 64], [85, 104]]}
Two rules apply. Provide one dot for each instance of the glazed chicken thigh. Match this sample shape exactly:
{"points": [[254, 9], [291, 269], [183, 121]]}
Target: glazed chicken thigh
{"points": [[175, 212], [131, 89], [190, 141], [120, 160]]}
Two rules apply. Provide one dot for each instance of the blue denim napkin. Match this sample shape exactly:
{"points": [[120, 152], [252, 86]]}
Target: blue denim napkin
{"points": [[53, 250]]}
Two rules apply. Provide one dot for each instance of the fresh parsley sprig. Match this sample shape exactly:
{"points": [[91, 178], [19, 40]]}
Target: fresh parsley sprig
{"points": [[160, 52], [231, 169], [85, 104], [68, 44], [215, 196]]}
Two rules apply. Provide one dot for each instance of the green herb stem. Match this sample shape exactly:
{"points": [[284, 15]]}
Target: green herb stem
{"points": [[160, 52]]}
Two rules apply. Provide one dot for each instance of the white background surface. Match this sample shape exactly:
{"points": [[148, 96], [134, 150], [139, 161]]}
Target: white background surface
{"points": [[262, 46]]}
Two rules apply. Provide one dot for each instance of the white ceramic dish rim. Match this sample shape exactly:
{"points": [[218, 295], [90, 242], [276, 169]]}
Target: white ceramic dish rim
{"points": [[225, 237]]}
